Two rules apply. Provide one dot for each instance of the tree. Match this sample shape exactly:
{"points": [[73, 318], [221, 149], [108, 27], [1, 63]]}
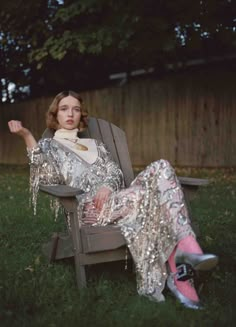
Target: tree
{"points": [[140, 32], [19, 22], [80, 42]]}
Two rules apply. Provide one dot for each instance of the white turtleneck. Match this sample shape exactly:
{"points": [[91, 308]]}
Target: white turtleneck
{"points": [[68, 138]]}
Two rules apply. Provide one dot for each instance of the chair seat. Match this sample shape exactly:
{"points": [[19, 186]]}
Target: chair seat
{"points": [[101, 238], [94, 240]]}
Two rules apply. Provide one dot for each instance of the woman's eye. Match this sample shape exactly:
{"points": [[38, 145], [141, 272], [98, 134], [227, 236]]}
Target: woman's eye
{"points": [[77, 109]]}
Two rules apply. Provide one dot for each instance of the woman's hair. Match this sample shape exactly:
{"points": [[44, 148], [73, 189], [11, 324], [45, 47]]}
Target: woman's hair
{"points": [[51, 115]]}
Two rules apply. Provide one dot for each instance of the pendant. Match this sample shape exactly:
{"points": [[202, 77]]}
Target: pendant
{"points": [[80, 147], [77, 145]]}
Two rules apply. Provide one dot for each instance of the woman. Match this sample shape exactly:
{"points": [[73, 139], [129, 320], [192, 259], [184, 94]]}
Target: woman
{"points": [[151, 212]]}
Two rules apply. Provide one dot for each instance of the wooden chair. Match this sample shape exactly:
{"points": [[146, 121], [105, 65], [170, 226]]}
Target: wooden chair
{"points": [[91, 245]]}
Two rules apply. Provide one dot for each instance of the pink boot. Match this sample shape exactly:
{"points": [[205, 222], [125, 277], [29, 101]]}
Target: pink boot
{"points": [[189, 252], [185, 289]]}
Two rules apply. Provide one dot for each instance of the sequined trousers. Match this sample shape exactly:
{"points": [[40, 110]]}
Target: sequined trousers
{"points": [[153, 217]]}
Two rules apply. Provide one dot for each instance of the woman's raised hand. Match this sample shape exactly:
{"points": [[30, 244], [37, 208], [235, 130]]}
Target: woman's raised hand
{"points": [[16, 127]]}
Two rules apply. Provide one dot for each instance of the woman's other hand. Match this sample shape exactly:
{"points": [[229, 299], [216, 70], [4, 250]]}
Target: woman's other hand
{"points": [[101, 197], [16, 127]]}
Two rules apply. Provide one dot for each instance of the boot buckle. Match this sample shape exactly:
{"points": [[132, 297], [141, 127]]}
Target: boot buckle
{"points": [[184, 272]]}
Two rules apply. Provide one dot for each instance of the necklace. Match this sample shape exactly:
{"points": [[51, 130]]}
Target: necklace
{"points": [[77, 145]]}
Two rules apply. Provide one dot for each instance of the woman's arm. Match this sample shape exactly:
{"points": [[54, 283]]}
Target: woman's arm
{"points": [[43, 166], [35, 153], [17, 128]]}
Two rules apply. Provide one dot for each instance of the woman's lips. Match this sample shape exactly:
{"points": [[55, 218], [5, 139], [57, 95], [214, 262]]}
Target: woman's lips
{"points": [[70, 121]]}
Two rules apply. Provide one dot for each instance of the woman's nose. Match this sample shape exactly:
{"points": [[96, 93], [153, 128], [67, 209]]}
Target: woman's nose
{"points": [[70, 112]]}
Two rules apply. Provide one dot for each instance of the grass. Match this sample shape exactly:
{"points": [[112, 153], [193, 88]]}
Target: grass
{"points": [[35, 293]]}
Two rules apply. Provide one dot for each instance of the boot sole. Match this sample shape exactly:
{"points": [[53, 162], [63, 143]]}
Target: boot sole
{"points": [[206, 265]]}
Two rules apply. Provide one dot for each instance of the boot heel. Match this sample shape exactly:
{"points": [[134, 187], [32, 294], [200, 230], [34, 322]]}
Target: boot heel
{"points": [[201, 262]]}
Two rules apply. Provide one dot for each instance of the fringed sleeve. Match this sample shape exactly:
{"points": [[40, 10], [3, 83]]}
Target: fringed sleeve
{"points": [[43, 169]]}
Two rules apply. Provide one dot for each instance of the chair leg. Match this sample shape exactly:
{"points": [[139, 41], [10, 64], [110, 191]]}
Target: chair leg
{"points": [[187, 201], [70, 205], [77, 243], [80, 273], [55, 239]]}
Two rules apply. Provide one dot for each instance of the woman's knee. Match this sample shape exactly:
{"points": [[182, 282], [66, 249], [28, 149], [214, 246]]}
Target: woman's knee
{"points": [[164, 168], [162, 163]]}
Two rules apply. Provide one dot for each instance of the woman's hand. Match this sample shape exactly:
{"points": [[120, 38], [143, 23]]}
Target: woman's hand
{"points": [[101, 197], [16, 127]]}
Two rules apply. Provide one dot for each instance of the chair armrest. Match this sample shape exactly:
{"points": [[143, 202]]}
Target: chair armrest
{"points": [[193, 181], [60, 191], [191, 186]]}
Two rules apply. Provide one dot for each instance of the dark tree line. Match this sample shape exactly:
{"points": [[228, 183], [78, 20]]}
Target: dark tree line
{"points": [[52, 45]]}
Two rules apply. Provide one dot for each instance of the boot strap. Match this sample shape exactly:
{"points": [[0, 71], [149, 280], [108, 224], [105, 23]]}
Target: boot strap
{"points": [[184, 272]]}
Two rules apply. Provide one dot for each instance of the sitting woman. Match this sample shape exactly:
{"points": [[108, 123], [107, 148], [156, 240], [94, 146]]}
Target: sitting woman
{"points": [[151, 212]]}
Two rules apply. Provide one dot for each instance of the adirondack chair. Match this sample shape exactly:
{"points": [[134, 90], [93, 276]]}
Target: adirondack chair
{"points": [[91, 245]]}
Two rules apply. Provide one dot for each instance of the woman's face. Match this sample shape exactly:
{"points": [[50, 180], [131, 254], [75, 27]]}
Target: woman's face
{"points": [[69, 112]]}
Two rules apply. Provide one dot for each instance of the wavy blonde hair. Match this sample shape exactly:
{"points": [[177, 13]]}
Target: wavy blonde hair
{"points": [[51, 115]]}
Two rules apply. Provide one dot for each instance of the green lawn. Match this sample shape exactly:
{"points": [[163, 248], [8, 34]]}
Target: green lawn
{"points": [[35, 293]]}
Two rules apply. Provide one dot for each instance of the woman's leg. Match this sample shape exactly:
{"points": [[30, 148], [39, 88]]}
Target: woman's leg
{"points": [[187, 249], [189, 244], [154, 220]]}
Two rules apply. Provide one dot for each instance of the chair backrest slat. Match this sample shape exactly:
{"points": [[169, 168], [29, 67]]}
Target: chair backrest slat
{"points": [[94, 129], [108, 139], [123, 154]]}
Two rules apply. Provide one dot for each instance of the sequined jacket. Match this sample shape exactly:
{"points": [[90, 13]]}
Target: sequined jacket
{"points": [[52, 163]]}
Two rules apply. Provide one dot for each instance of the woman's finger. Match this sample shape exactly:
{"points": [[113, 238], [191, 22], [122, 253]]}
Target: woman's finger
{"points": [[101, 197], [99, 201]]}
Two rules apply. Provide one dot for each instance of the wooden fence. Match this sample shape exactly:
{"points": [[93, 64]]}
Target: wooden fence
{"points": [[187, 119]]}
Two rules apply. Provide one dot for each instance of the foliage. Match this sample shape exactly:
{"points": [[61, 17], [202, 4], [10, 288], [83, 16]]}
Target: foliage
{"points": [[45, 41], [35, 293]]}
